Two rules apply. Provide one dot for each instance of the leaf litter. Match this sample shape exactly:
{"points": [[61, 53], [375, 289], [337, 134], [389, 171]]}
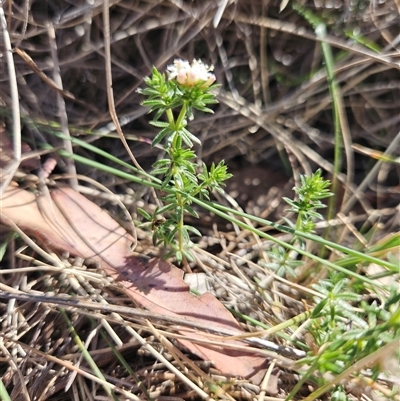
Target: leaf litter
{"points": [[269, 110], [67, 221]]}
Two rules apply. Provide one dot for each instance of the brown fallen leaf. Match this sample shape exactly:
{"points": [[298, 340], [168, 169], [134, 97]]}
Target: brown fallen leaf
{"points": [[69, 221], [29, 160]]}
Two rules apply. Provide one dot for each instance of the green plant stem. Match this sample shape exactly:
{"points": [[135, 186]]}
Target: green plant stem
{"points": [[180, 224], [181, 117], [223, 212], [359, 256], [298, 221], [87, 355], [215, 209], [369, 360], [125, 364], [176, 145], [274, 330], [320, 31], [171, 118], [4, 396], [303, 379]]}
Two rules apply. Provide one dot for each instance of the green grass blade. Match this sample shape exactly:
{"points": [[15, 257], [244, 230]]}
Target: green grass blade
{"points": [[223, 211], [88, 358]]}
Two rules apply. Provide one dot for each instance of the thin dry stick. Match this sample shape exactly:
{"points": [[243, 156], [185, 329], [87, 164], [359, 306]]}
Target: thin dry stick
{"points": [[7, 292], [72, 367], [180, 358], [292, 28], [371, 175], [168, 364], [81, 285], [220, 11], [25, 26], [52, 258], [81, 357], [6, 354], [61, 107], [349, 79], [110, 92], [11, 169], [264, 70], [299, 149], [48, 81], [264, 384]]}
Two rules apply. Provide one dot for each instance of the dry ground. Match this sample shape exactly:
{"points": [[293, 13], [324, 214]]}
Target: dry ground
{"points": [[275, 120]]}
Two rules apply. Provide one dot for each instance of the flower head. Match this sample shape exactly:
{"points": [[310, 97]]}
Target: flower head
{"points": [[190, 75]]}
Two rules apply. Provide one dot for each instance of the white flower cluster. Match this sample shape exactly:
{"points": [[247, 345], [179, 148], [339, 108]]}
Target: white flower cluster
{"points": [[190, 75]]}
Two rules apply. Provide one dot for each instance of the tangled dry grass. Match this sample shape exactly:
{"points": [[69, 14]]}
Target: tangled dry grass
{"points": [[275, 119]]}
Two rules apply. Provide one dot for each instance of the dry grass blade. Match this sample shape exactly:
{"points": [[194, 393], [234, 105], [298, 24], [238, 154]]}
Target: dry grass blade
{"points": [[295, 30], [74, 67], [8, 172]]}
